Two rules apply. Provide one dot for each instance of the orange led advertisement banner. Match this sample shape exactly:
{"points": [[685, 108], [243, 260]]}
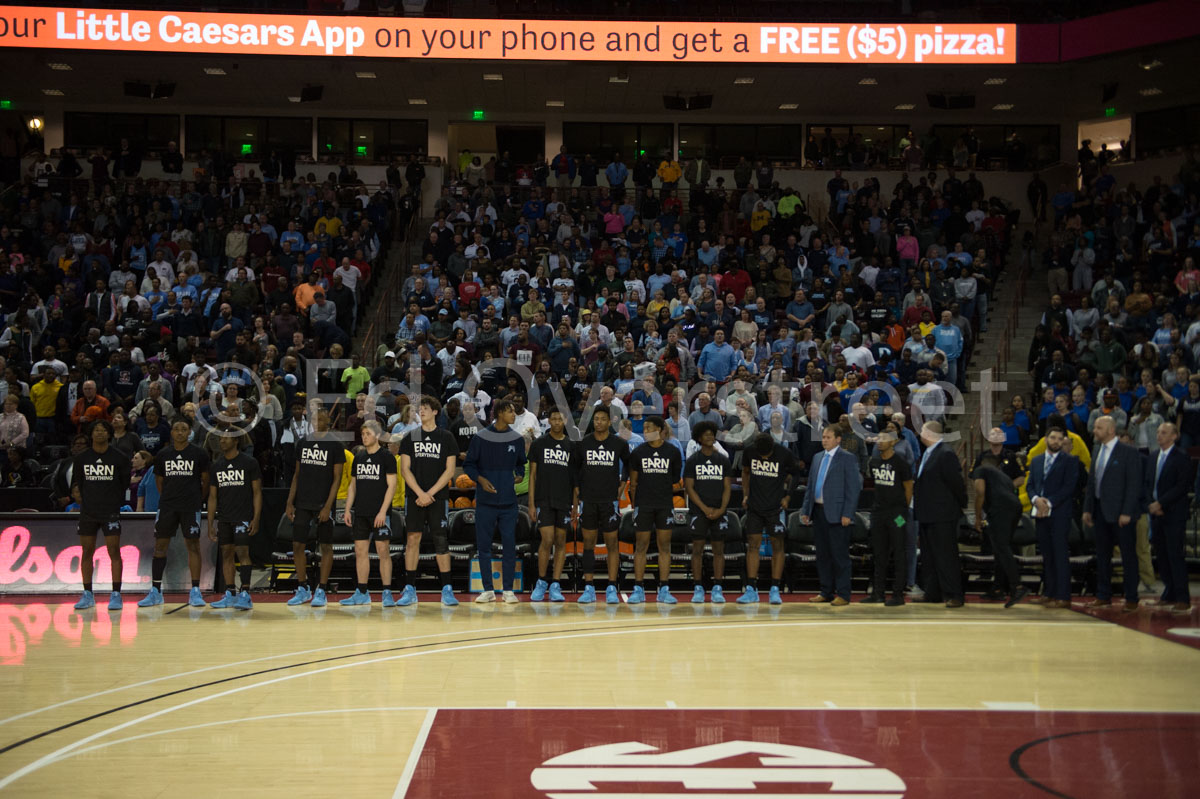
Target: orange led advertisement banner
{"points": [[514, 40]]}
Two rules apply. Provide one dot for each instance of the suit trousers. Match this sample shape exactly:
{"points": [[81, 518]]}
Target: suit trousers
{"points": [[1000, 529], [833, 555], [887, 544], [1109, 532], [941, 571], [1052, 535], [487, 519], [1168, 536]]}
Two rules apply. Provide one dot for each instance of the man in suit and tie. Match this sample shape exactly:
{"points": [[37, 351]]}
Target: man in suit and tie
{"points": [[830, 502], [1167, 487], [1053, 476], [1111, 507], [939, 496]]}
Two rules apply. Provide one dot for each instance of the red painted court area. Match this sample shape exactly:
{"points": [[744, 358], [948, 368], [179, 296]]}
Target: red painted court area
{"points": [[613, 754]]}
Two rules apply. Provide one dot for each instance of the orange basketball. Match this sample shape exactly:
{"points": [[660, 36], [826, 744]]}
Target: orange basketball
{"points": [[678, 486], [462, 502], [463, 482], [678, 502]]}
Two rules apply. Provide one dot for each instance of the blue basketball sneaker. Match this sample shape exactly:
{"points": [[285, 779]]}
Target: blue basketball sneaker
{"points": [[243, 601], [448, 598], [359, 597], [664, 596], [114, 601], [612, 596], [407, 597], [154, 597], [588, 596], [698, 595], [386, 599], [749, 596], [301, 596], [319, 600], [637, 596], [556, 594], [225, 601], [775, 598], [718, 595], [195, 598], [86, 600], [539, 591]]}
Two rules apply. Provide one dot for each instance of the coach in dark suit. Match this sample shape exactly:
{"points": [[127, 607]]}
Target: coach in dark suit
{"points": [[1111, 507], [830, 502], [939, 496], [1167, 473], [1053, 476]]}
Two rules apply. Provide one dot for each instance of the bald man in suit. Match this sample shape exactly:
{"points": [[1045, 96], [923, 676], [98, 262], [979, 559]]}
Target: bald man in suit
{"points": [[1111, 507], [939, 496]]}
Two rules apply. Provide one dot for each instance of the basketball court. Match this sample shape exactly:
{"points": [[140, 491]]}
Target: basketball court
{"points": [[563, 700]]}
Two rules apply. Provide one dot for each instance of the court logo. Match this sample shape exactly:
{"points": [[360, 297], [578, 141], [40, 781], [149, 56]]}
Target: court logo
{"points": [[621, 765]]}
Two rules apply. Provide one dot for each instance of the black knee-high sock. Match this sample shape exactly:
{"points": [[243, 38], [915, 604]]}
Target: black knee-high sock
{"points": [[752, 582], [445, 577], [589, 561], [244, 571], [157, 566], [399, 572]]}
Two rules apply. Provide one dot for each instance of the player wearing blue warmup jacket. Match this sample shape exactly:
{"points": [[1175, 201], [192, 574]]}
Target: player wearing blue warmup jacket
{"points": [[496, 462]]}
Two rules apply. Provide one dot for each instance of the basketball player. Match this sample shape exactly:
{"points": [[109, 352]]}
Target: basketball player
{"points": [[654, 469], [319, 463], [428, 457], [707, 479], [235, 496], [889, 516], [181, 476], [767, 474], [99, 479], [599, 459], [496, 462], [550, 494], [368, 513]]}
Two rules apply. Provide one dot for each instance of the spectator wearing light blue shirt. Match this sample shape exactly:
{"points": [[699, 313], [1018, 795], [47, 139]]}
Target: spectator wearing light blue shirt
{"points": [[774, 405], [616, 172], [716, 359], [949, 339]]}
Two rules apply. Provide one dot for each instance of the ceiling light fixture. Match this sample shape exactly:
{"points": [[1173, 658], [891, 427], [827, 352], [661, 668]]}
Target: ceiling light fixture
{"points": [[417, 101], [788, 106], [213, 71], [492, 76], [365, 75], [995, 81], [743, 81], [292, 98], [53, 92], [618, 79], [555, 103], [1002, 107], [905, 107], [59, 66], [1151, 92], [868, 82], [1150, 64]]}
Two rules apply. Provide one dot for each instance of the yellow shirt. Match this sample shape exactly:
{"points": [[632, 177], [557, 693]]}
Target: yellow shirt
{"points": [[347, 473], [45, 398], [926, 327], [653, 307], [1078, 449], [333, 225], [760, 219], [398, 497], [669, 171]]}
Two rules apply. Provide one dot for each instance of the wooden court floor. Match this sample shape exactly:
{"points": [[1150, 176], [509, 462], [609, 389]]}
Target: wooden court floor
{"points": [[480, 701]]}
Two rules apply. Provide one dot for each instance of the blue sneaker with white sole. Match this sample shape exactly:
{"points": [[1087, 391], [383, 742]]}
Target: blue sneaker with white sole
{"points": [[243, 601], [637, 596], [718, 595], [319, 600], [448, 598], [407, 597], [301, 596], [359, 597], [114, 601], [775, 598], [698, 595], [749, 596], [556, 594], [664, 596], [225, 601], [612, 596], [195, 598], [539, 591], [154, 597], [86, 600], [588, 596], [386, 599]]}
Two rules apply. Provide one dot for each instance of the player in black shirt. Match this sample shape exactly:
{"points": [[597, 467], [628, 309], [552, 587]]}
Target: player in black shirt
{"points": [[550, 495], [368, 513], [319, 463], [235, 500], [654, 469], [707, 477], [99, 479], [181, 476], [996, 500], [889, 516], [767, 472], [599, 459], [428, 456]]}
